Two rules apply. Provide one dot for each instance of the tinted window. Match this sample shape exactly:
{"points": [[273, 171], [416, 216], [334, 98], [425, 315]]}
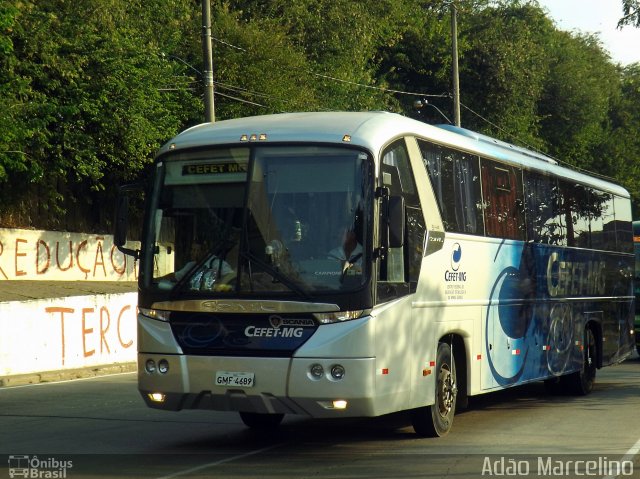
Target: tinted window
{"points": [[545, 223], [455, 180], [502, 200], [624, 230]]}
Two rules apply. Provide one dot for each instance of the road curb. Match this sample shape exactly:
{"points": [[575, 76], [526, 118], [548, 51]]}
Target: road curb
{"points": [[66, 374]]}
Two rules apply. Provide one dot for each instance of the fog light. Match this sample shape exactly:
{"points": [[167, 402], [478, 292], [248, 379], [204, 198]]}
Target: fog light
{"points": [[337, 372], [150, 366], [163, 366], [156, 397], [316, 371], [340, 404]]}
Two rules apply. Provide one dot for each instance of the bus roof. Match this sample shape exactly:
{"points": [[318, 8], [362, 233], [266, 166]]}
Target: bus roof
{"points": [[372, 131]]}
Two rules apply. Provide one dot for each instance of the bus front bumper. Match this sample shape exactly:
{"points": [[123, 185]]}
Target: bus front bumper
{"points": [[280, 385]]}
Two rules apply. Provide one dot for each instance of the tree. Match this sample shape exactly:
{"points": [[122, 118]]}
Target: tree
{"points": [[14, 89], [504, 71], [578, 96], [90, 89], [621, 151], [341, 41], [257, 68], [631, 13], [93, 106], [420, 62]]}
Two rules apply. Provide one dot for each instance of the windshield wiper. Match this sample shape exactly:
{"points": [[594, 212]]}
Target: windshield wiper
{"points": [[275, 273], [348, 264]]}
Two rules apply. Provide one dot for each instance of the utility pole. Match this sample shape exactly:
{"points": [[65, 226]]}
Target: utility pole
{"points": [[209, 112], [454, 65]]}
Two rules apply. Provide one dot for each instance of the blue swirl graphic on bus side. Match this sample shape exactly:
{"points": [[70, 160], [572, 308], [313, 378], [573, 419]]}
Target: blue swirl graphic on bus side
{"points": [[513, 320]]}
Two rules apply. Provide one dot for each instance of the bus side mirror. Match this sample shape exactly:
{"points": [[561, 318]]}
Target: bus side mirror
{"points": [[122, 219], [396, 221]]}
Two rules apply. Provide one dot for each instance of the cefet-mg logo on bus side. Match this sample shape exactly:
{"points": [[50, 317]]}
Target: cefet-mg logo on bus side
{"points": [[280, 328], [454, 274]]}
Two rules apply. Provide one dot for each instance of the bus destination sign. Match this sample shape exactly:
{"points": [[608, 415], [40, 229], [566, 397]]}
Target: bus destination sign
{"points": [[214, 168]]}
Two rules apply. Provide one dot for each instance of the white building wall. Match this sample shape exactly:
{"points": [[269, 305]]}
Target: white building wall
{"points": [[60, 256], [67, 333]]}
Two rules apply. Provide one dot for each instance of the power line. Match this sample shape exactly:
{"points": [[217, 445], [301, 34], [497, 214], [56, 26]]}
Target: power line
{"points": [[228, 44], [533, 148], [329, 77], [386, 90], [371, 87], [247, 91], [502, 130], [240, 99]]}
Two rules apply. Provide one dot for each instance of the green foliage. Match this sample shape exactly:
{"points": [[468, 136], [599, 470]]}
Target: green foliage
{"points": [[508, 60], [621, 150], [257, 67], [339, 42], [631, 13], [89, 109], [13, 90], [579, 92], [90, 89]]}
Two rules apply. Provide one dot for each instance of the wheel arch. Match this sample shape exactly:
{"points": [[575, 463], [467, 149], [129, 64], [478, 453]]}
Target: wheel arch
{"points": [[596, 328], [456, 342]]}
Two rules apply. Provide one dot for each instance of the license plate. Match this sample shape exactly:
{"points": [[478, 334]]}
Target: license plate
{"points": [[234, 379]]}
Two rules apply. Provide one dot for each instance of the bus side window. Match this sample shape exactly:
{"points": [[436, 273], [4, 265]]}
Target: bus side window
{"points": [[625, 230], [503, 200], [401, 266], [545, 224], [455, 180], [600, 215]]}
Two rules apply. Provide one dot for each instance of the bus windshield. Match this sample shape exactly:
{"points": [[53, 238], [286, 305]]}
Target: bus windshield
{"points": [[283, 219]]}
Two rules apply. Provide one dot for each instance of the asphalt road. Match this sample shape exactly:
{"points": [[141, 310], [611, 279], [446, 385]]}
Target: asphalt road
{"points": [[99, 428]]}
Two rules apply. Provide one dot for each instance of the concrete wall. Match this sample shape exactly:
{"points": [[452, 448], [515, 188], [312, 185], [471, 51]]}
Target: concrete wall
{"points": [[61, 256], [67, 333]]}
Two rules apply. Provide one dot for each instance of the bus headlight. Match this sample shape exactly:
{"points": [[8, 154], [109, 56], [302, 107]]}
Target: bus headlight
{"points": [[338, 316], [339, 404], [157, 314], [156, 397]]}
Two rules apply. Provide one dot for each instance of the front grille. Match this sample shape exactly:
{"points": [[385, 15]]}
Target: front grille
{"points": [[269, 335]]}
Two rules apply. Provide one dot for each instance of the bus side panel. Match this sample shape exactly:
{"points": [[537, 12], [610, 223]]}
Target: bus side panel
{"points": [[449, 300], [395, 362], [432, 322], [533, 302], [540, 305]]}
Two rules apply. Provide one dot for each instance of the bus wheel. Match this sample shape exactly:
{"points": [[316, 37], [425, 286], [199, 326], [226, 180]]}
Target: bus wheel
{"points": [[581, 382], [436, 420], [256, 420]]}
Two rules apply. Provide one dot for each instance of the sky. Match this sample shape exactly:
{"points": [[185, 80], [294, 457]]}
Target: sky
{"points": [[600, 17]]}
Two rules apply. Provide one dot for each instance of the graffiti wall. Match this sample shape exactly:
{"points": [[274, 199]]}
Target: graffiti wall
{"points": [[51, 256], [67, 333]]}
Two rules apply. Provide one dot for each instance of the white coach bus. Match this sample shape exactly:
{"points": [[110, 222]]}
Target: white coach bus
{"points": [[358, 264]]}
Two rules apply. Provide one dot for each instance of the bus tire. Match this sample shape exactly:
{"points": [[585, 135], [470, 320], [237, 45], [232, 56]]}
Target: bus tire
{"points": [[581, 382], [261, 421], [436, 420]]}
